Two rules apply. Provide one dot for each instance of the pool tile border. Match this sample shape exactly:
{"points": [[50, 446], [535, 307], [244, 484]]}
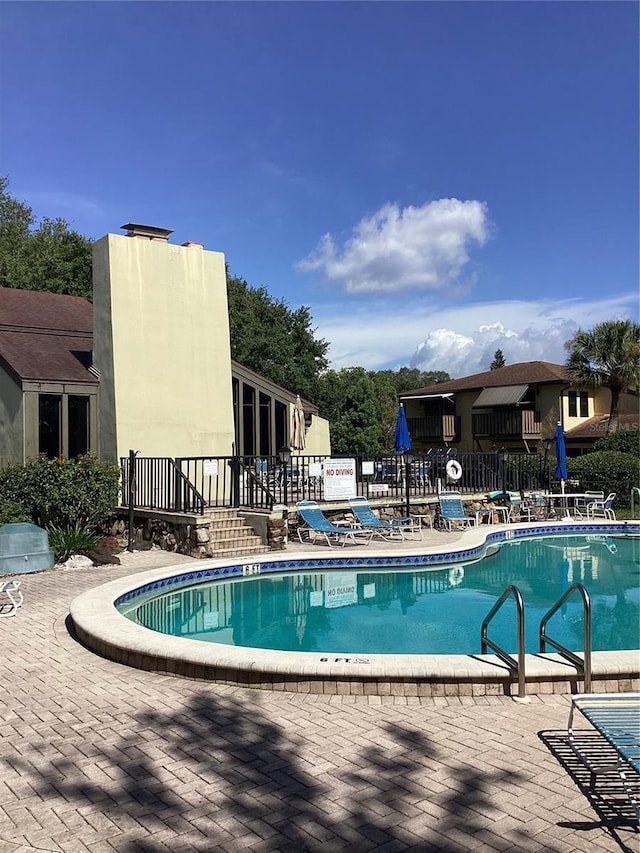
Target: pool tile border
{"points": [[106, 631]]}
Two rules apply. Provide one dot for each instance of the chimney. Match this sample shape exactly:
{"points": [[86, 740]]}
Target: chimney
{"points": [[192, 244], [147, 232]]}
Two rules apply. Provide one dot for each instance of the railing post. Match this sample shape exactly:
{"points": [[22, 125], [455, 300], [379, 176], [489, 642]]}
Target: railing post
{"points": [[235, 480], [132, 489]]}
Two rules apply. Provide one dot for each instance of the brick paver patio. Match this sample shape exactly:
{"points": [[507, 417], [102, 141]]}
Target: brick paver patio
{"points": [[95, 756]]}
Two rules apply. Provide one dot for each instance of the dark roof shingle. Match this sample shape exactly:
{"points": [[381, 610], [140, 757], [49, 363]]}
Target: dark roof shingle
{"points": [[524, 373], [46, 337]]}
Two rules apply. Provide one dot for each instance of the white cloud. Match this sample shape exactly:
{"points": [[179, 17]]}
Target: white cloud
{"points": [[460, 340], [398, 249]]}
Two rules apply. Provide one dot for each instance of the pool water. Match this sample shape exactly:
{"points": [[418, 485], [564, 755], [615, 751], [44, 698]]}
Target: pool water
{"points": [[396, 611]]}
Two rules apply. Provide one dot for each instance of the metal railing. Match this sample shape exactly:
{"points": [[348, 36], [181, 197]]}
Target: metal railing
{"points": [[191, 484], [156, 482], [583, 666], [515, 665]]}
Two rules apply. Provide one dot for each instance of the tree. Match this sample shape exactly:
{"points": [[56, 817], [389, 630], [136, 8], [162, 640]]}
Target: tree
{"points": [[273, 340], [410, 378], [361, 406], [498, 360], [608, 356], [353, 400], [49, 256]]}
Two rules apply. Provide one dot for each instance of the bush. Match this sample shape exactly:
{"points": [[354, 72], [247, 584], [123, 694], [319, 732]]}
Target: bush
{"points": [[67, 541], [624, 441], [12, 513], [607, 471], [63, 492]]}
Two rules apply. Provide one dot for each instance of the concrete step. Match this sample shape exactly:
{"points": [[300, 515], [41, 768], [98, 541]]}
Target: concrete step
{"points": [[227, 523], [223, 533], [216, 551]]}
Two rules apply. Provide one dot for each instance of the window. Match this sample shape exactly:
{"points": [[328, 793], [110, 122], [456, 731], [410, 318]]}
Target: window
{"points": [[573, 398], [584, 404], [50, 425], [63, 425], [248, 420], [265, 425], [78, 413]]}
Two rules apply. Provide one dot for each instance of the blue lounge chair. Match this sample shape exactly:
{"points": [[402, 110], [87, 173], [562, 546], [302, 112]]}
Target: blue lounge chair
{"points": [[616, 716], [315, 521], [368, 520], [452, 512]]}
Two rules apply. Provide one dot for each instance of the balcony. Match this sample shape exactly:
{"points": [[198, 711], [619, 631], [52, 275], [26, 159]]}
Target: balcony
{"points": [[518, 424], [435, 428]]}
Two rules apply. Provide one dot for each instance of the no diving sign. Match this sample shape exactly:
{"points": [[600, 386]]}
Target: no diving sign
{"points": [[339, 477]]}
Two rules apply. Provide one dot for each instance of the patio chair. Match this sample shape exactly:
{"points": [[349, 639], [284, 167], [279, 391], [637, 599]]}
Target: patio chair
{"points": [[315, 521], [536, 506], [452, 512], [368, 520], [519, 509], [10, 598], [582, 504], [602, 509]]}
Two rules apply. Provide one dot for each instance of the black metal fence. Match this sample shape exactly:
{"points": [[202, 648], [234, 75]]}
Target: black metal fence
{"points": [[192, 484]]}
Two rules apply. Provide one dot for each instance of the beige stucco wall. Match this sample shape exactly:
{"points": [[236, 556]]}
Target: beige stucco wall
{"points": [[317, 438], [161, 342], [11, 420]]}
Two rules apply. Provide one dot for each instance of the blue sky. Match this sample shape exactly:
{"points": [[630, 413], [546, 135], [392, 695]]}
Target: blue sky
{"points": [[435, 180]]}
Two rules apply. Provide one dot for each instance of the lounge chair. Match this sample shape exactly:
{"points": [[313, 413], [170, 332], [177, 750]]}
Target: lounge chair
{"points": [[602, 509], [315, 521], [10, 598], [616, 716], [368, 520], [452, 512]]}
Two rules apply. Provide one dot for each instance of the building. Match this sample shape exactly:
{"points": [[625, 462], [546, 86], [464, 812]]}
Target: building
{"points": [[513, 407], [147, 367]]}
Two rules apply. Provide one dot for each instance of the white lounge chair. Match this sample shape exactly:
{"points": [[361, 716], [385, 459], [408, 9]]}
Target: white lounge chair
{"points": [[10, 598]]}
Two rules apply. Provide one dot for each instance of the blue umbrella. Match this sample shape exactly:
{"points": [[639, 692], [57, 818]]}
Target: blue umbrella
{"points": [[561, 456], [561, 466], [403, 439]]}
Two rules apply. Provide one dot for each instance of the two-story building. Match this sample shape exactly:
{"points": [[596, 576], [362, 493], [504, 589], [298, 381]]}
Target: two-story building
{"points": [[515, 407], [146, 367]]}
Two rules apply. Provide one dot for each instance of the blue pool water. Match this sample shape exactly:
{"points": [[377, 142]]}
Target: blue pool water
{"points": [[399, 611]]}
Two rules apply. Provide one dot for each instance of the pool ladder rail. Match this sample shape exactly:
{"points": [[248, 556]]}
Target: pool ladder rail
{"points": [[517, 664]]}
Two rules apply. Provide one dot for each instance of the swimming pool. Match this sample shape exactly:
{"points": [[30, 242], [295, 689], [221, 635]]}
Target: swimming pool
{"points": [[390, 610], [102, 628]]}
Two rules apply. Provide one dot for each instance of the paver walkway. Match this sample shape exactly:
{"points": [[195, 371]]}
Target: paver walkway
{"points": [[95, 756]]}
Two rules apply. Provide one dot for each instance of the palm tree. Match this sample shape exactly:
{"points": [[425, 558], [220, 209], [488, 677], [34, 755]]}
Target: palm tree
{"points": [[609, 356]]}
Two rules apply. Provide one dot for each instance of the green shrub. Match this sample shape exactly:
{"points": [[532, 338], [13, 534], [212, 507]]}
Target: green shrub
{"points": [[67, 541], [63, 492], [607, 471], [12, 512], [624, 441]]}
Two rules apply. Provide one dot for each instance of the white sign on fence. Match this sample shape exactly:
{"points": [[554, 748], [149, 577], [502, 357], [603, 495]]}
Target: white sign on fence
{"points": [[210, 467], [339, 478], [367, 468]]}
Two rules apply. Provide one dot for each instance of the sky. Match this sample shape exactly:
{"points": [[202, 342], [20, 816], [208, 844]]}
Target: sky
{"points": [[433, 180]]}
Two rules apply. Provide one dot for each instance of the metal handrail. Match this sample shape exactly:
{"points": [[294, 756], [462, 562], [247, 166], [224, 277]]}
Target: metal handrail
{"points": [[518, 665], [257, 483], [581, 665]]}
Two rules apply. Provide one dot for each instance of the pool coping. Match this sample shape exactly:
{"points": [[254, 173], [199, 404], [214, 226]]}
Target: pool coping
{"points": [[103, 629]]}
